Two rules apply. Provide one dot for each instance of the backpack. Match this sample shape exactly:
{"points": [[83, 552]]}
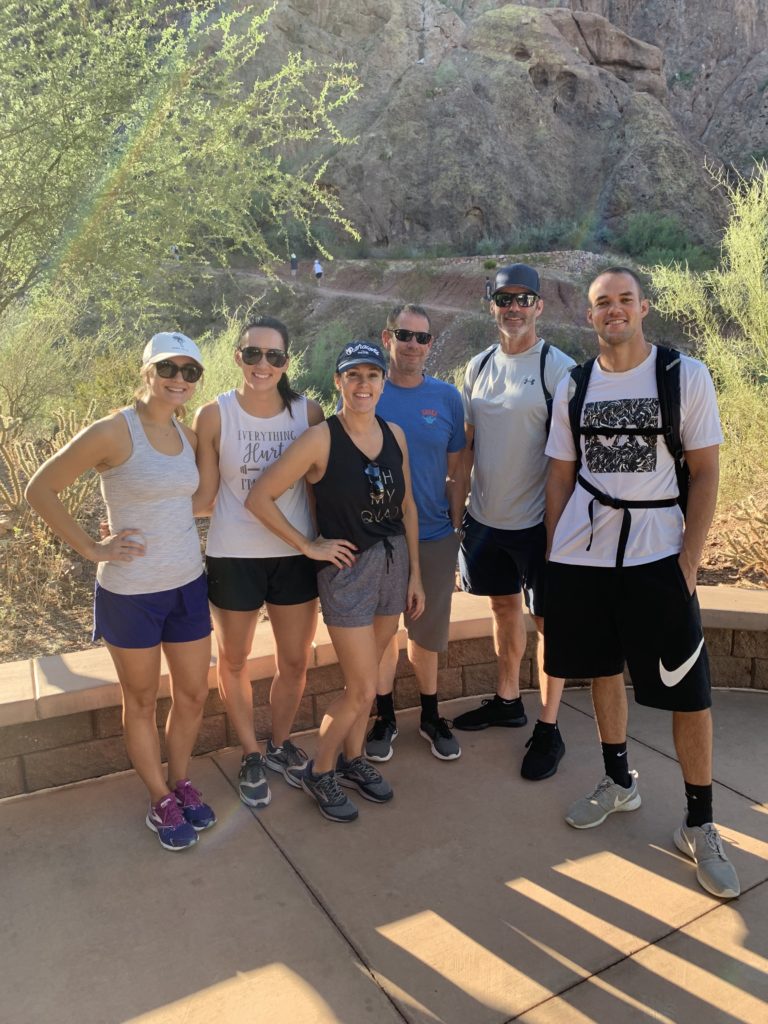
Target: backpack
{"points": [[542, 364], [668, 386]]}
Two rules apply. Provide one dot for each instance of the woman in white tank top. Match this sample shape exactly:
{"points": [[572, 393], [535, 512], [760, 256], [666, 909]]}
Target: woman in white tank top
{"points": [[239, 435], [150, 589]]}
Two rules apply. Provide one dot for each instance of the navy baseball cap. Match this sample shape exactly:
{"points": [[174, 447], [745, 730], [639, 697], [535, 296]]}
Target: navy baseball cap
{"points": [[517, 274], [358, 352]]}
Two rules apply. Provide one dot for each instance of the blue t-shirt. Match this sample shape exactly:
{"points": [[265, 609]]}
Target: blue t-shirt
{"points": [[432, 418]]}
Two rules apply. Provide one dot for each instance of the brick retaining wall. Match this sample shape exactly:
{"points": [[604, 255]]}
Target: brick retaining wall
{"points": [[59, 722]]}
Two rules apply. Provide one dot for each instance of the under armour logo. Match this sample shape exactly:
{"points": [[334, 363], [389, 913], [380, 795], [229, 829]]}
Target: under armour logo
{"points": [[529, 380]]}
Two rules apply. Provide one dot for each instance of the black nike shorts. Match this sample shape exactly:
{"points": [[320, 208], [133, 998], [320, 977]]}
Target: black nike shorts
{"points": [[595, 619]]}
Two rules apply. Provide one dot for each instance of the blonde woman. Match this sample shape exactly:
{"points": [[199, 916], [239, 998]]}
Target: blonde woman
{"points": [[150, 588]]}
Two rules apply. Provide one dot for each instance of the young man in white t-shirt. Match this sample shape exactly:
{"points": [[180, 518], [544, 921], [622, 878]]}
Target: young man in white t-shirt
{"points": [[503, 536], [622, 580]]}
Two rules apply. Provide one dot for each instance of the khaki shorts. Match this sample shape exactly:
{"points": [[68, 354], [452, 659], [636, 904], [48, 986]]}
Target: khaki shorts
{"points": [[437, 559]]}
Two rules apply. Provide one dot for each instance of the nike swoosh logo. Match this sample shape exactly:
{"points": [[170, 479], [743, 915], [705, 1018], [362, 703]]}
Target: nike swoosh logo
{"points": [[671, 677]]}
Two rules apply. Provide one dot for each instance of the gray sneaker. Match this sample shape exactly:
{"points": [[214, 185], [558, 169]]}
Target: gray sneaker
{"points": [[252, 781], [606, 798], [443, 743], [716, 874], [360, 775], [331, 802], [280, 759], [378, 742]]}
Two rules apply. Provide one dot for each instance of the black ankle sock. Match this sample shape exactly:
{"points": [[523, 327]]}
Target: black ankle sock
{"points": [[545, 726], [616, 764], [507, 703], [428, 707], [699, 800], [385, 706]]}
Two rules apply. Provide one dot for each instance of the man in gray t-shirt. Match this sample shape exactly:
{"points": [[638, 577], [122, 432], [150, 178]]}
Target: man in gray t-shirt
{"points": [[507, 398]]}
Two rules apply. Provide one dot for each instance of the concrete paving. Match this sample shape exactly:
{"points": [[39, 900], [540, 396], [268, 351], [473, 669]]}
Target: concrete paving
{"points": [[467, 900]]}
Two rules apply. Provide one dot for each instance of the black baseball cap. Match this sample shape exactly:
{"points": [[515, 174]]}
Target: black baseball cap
{"points": [[358, 352], [519, 274]]}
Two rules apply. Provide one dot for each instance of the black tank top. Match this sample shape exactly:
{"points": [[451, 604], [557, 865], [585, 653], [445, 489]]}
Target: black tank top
{"points": [[361, 499]]}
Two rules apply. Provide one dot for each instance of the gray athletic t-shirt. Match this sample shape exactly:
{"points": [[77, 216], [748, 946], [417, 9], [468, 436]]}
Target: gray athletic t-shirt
{"points": [[505, 404]]}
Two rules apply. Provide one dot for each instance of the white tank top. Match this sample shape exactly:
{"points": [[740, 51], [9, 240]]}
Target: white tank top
{"points": [[247, 446], [152, 493]]}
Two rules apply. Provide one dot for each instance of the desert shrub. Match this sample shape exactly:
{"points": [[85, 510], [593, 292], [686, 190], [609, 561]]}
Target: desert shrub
{"points": [[725, 312], [652, 240], [490, 264]]}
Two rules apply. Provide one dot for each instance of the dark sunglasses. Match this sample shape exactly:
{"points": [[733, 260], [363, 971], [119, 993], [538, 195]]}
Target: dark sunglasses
{"points": [[373, 472], [190, 372], [422, 337], [523, 299], [274, 356]]}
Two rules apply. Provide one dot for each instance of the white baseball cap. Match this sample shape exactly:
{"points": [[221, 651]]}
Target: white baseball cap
{"points": [[170, 343]]}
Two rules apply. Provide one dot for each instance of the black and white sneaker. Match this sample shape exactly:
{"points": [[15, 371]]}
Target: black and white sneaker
{"points": [[252, 781], [280, 759], [442, 742], [378, 742]]}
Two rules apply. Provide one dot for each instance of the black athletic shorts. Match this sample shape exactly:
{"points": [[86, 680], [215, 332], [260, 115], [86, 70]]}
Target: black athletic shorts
{"points": [[244, 584], [596, 618], [494, 563]]}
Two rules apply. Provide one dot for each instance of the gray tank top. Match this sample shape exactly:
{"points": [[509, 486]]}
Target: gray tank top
{"points": [[152, 493]]}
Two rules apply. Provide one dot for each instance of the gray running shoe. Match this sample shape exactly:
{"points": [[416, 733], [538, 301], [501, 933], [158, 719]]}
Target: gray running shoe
{"points": [[294, 774], [360, 775], [280, 759], [606, 798], [331, 802], [443, 743], [716, 874], [252, 781], [378, 742]]}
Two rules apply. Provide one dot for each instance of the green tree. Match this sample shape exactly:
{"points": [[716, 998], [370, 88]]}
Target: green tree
{"points": [[725, 312], [133, 125]]}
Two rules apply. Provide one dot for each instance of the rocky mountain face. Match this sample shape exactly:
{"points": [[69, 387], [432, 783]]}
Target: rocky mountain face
{"points": [[482, 119]]}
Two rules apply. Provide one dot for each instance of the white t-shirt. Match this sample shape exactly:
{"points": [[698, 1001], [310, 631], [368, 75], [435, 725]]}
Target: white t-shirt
{"points": [[632, 468], [505, 404]]}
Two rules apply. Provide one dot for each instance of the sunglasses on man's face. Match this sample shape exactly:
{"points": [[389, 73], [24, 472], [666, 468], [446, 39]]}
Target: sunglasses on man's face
{"points": [[523, 299], [252, 355], [373, 472], [422, 337], [167, 369]]}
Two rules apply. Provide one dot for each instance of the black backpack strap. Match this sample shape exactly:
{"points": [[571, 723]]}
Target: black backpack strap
{"points": [[483, 361], [580, 376], [547, 393], [668, 387]]}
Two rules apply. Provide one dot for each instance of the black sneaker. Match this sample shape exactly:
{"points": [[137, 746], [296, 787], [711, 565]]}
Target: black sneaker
{"points": [[442, 742], [492, 711], [378, 742], [545, 751]]}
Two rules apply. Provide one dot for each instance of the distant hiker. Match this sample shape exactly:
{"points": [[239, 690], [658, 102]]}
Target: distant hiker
{"points": [[488, 290], [294, 264], [623, 561], [151, 592], [317, 270], [432, 418], [507, 398]]}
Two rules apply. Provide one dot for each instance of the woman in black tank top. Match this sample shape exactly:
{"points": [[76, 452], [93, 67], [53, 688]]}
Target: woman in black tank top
{"points": [[367, 555]]}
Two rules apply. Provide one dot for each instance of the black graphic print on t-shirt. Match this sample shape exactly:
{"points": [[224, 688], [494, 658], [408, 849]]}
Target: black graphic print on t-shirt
{"points": [[622, 453]]}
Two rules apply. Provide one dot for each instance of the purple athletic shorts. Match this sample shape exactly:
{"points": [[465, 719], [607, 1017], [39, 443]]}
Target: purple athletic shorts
{"points": [[144, 620]]}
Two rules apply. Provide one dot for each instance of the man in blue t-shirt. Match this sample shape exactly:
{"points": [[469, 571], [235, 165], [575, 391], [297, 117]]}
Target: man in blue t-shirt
{"points": [[431, 414]]}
